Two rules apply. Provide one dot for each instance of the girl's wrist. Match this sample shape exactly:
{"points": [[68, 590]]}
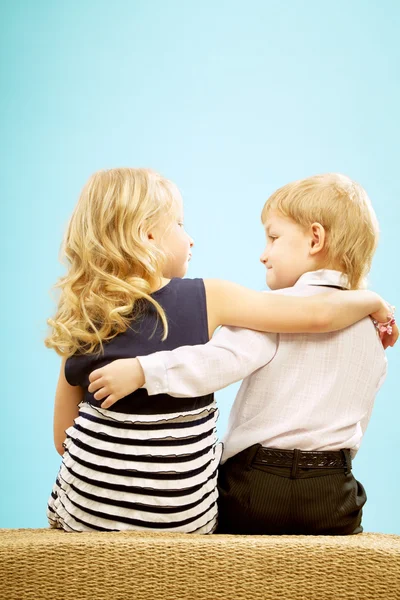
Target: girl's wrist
{"points": [[374, 301]]}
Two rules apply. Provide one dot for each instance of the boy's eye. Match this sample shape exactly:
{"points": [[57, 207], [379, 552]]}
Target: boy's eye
{"points": [[181, 224], [272, 237]]}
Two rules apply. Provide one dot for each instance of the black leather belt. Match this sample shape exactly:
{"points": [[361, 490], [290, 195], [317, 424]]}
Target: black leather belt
{"points": [[303, 459]]}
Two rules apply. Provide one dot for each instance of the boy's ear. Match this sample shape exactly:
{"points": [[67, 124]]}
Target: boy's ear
{"points": [[318, 236]]}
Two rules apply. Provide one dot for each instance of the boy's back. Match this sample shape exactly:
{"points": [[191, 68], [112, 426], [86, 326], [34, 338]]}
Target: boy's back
{"points": [[317, 391]]}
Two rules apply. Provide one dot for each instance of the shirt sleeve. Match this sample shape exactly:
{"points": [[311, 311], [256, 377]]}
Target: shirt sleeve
{"points": [[190, 371]]}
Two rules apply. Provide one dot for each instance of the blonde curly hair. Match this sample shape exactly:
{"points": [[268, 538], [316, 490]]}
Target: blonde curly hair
{"points": [[345, 211], [112, 266]]}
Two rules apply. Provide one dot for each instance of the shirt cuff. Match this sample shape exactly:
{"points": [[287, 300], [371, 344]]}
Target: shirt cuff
{"points": [[155, 374]]}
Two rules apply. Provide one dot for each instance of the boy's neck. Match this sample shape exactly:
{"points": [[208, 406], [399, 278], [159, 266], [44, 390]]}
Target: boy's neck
{"points": [[331, 268], [319, 266]]}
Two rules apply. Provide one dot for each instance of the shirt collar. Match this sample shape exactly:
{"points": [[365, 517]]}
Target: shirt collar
{"points": [[324, 277]]}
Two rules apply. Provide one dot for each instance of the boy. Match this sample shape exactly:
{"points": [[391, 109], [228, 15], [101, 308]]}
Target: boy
{"points": [[306, 399]]}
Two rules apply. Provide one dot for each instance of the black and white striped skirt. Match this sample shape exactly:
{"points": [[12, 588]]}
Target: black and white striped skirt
{"points": [[138, 472]]}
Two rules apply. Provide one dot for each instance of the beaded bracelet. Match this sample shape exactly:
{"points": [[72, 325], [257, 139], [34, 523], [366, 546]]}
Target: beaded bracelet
{"points": [[388, 326]]}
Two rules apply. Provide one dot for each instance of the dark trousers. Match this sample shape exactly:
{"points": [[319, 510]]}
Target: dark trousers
{"points": [[268, 500]]}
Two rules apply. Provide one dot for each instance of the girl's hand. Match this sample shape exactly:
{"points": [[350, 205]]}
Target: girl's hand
{"points": [[385, 324], [389, 339], [116, 380]]}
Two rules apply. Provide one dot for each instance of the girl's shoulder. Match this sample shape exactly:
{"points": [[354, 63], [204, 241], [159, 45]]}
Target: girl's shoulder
{"points": [[184, 301], [178, 285]]}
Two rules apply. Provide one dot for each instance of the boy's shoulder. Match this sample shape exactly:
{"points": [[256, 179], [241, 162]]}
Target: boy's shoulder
{"points": [[302, 290]]}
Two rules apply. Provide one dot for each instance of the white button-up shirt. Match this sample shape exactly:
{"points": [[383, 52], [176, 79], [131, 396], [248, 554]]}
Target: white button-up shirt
{"points": [[305, 391]]}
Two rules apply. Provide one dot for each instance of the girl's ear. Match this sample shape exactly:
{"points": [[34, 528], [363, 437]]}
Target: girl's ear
{"points": [[318, 237]]}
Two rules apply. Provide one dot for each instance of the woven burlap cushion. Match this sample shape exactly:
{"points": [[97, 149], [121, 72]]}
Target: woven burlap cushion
{"points": [[54, 565]]}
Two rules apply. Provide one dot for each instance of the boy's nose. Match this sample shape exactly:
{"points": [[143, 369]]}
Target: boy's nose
{"points": [[191, 242], [264, 257]]}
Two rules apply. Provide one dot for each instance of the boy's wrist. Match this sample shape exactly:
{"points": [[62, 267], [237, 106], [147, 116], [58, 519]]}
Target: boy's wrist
{"points": [[154, 374], [138, 374]]}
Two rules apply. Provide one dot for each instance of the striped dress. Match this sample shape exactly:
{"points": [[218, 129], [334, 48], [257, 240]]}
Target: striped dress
{"points": [[148, 463]]}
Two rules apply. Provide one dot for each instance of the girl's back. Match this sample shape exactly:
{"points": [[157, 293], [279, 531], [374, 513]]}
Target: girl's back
{"points": [[148, 463], [184, 302]]}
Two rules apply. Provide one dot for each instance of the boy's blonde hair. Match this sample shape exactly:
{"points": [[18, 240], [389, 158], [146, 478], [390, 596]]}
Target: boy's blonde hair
{"points": [[112, 266], [343, 208]]}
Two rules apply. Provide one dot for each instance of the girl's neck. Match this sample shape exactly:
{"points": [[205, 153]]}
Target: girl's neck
{"points": [[162, 282]]}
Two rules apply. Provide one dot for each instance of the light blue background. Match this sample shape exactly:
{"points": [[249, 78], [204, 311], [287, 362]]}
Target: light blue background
{"points": [[228, 99]]}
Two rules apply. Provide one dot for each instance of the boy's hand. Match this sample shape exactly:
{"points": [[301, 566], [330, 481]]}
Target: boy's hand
{"points": [[116, 380]]}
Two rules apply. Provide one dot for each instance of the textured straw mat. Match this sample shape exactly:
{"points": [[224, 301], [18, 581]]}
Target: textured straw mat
{"points": [[48, 564]]}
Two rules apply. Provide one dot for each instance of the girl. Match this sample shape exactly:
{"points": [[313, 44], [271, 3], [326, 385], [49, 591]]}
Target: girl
{"points": [[149, 465]]}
